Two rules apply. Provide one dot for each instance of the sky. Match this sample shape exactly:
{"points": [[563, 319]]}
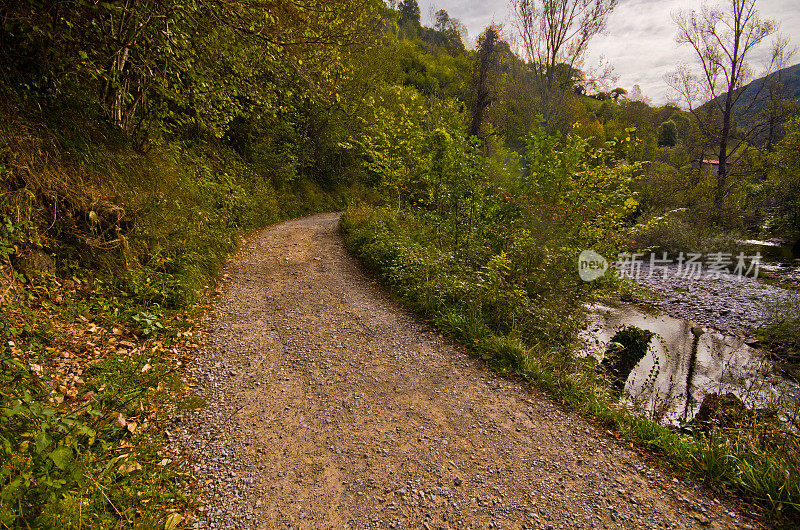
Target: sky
{"points": [[639, 41]]}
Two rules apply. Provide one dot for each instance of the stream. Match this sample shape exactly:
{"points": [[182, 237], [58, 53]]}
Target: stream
{"points": [[685, 362]]}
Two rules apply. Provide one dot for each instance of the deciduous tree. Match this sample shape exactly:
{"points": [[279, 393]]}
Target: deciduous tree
{"points": [[722, 38], [485, 69], [556, 32]]}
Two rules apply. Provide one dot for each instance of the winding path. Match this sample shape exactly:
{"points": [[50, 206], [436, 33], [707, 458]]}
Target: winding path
{"points": [[331, 407]]}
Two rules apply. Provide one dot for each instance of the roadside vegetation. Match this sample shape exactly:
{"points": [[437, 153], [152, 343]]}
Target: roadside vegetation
{"points": [[138, 143], [96, 309], [481, 236]]}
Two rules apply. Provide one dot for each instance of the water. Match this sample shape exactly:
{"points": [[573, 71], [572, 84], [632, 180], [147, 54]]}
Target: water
{"points": [[773, 252], [684, 363]]}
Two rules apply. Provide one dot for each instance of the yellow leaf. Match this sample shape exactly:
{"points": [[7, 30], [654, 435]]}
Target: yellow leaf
{"points": [[173, 521]]}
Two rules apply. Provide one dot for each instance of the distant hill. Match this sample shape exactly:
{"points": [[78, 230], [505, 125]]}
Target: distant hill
{"points": [[782, 85], [787, 79]]}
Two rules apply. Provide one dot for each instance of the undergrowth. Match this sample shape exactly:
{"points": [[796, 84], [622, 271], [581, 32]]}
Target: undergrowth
{"points": [[107, 255], [780, 335]]}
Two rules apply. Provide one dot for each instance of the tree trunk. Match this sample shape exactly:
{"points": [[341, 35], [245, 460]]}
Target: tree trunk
{"points": [[722, 177], [722, 171]]}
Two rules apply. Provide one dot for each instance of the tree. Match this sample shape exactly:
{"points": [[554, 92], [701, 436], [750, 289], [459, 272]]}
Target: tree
{"points": [[780, 103], [667, 134], [722, 38], [485, 67], [409, 13], [617, 93], [452, 29], [554, 32], [783, 186], [152, 64], [637, 95], [442, 20]]}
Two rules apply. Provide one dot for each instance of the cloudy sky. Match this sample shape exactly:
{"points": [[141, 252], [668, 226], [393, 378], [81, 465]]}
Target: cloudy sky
{"points": [[639, 41]]}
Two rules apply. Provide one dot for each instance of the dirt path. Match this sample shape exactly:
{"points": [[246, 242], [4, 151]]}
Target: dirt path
{"points": [[331, 407]]}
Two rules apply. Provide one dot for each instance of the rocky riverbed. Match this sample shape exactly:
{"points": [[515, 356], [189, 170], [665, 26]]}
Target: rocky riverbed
{"points": [[729, 303]]}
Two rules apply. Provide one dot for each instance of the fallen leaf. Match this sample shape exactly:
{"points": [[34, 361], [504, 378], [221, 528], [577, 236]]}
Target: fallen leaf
{"points": [[130, 468], [173, 521]]}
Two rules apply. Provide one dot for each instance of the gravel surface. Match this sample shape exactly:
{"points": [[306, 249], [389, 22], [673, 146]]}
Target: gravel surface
{"points": [[328, 406], [727, 303]]}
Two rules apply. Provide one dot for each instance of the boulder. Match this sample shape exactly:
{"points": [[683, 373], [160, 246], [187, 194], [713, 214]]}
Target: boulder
{"points": [[726, 409]]}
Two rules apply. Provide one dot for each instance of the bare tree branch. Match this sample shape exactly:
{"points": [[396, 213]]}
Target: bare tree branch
{"points": [[555, 35], [722, 38]]}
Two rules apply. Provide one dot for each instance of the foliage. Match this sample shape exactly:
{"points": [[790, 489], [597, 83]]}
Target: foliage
{"points": [[723, 39], [151, 65], [780, 336], [783, 184], [483, 77], [497, 250], [136, 240], [667, 134], [488, 255], [555, 36], [138, 141], [673, 233], [75, 440], [577, 195]]}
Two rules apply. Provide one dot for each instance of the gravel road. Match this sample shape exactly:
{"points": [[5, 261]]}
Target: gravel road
{"points": [[328, 406]]}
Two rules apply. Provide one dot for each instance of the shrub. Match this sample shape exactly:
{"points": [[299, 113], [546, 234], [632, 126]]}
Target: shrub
{"points": [[673, 233]]}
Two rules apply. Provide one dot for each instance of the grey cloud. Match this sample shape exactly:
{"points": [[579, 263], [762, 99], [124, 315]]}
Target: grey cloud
{"points": [[640, 38]]}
